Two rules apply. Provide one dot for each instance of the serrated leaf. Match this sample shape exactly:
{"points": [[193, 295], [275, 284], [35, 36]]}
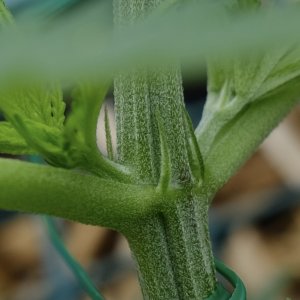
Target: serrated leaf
{"points": [[46, 140], [11, 142], [39, 103], [37, 114]]}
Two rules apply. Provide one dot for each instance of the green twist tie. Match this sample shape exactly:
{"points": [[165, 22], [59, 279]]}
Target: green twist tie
{"points": [[221, 293]]}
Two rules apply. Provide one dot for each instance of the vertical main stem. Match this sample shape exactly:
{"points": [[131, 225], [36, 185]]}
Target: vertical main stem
{"points": [[173, 253], [139, 95], [171, 247]]}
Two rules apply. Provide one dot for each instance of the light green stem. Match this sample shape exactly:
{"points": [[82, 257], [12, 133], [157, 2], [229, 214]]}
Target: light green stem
{"points": [[139, 95], [173, 253], [171, 246], [71, 195], [240, 137]]}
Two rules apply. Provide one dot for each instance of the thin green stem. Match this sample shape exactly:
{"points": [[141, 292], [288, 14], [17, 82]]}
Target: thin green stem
{"points": [[109, 147]]}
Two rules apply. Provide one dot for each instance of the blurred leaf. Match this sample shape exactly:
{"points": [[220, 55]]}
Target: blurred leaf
{"points": [[235, 88], [235, 83], [192, 32], [286, 69], [5, 16]]}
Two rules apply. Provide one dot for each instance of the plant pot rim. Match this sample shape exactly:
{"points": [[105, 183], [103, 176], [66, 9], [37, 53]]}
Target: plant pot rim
{"points": [[239, 292]]}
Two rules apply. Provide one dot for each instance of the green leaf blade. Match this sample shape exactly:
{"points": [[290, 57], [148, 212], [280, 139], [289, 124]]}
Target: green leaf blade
{"points": [[11, 142], [38, 103]]}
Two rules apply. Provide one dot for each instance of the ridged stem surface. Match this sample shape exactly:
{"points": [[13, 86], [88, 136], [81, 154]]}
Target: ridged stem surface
{"points": [[171, 246], [173, 253], [139, 95]]}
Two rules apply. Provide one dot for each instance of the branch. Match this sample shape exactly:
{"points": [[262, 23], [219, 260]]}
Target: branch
{"points": [[79, 197], [240, 137]]}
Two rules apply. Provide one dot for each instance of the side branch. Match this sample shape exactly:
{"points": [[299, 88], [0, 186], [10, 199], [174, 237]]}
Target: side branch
{"points": [[240, 137], [72, 195]]}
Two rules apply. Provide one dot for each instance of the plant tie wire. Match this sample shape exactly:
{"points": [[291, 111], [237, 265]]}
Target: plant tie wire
{"points": [[80, 274]]}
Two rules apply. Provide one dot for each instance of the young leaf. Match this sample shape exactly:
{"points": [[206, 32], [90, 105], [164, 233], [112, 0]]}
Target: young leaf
{"points": [[11, 142]]}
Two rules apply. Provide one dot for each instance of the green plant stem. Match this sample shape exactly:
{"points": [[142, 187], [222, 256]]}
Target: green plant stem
{"points": [[140, 94], [72, 195], [173, 252], [237, 141], [171, 246]]}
